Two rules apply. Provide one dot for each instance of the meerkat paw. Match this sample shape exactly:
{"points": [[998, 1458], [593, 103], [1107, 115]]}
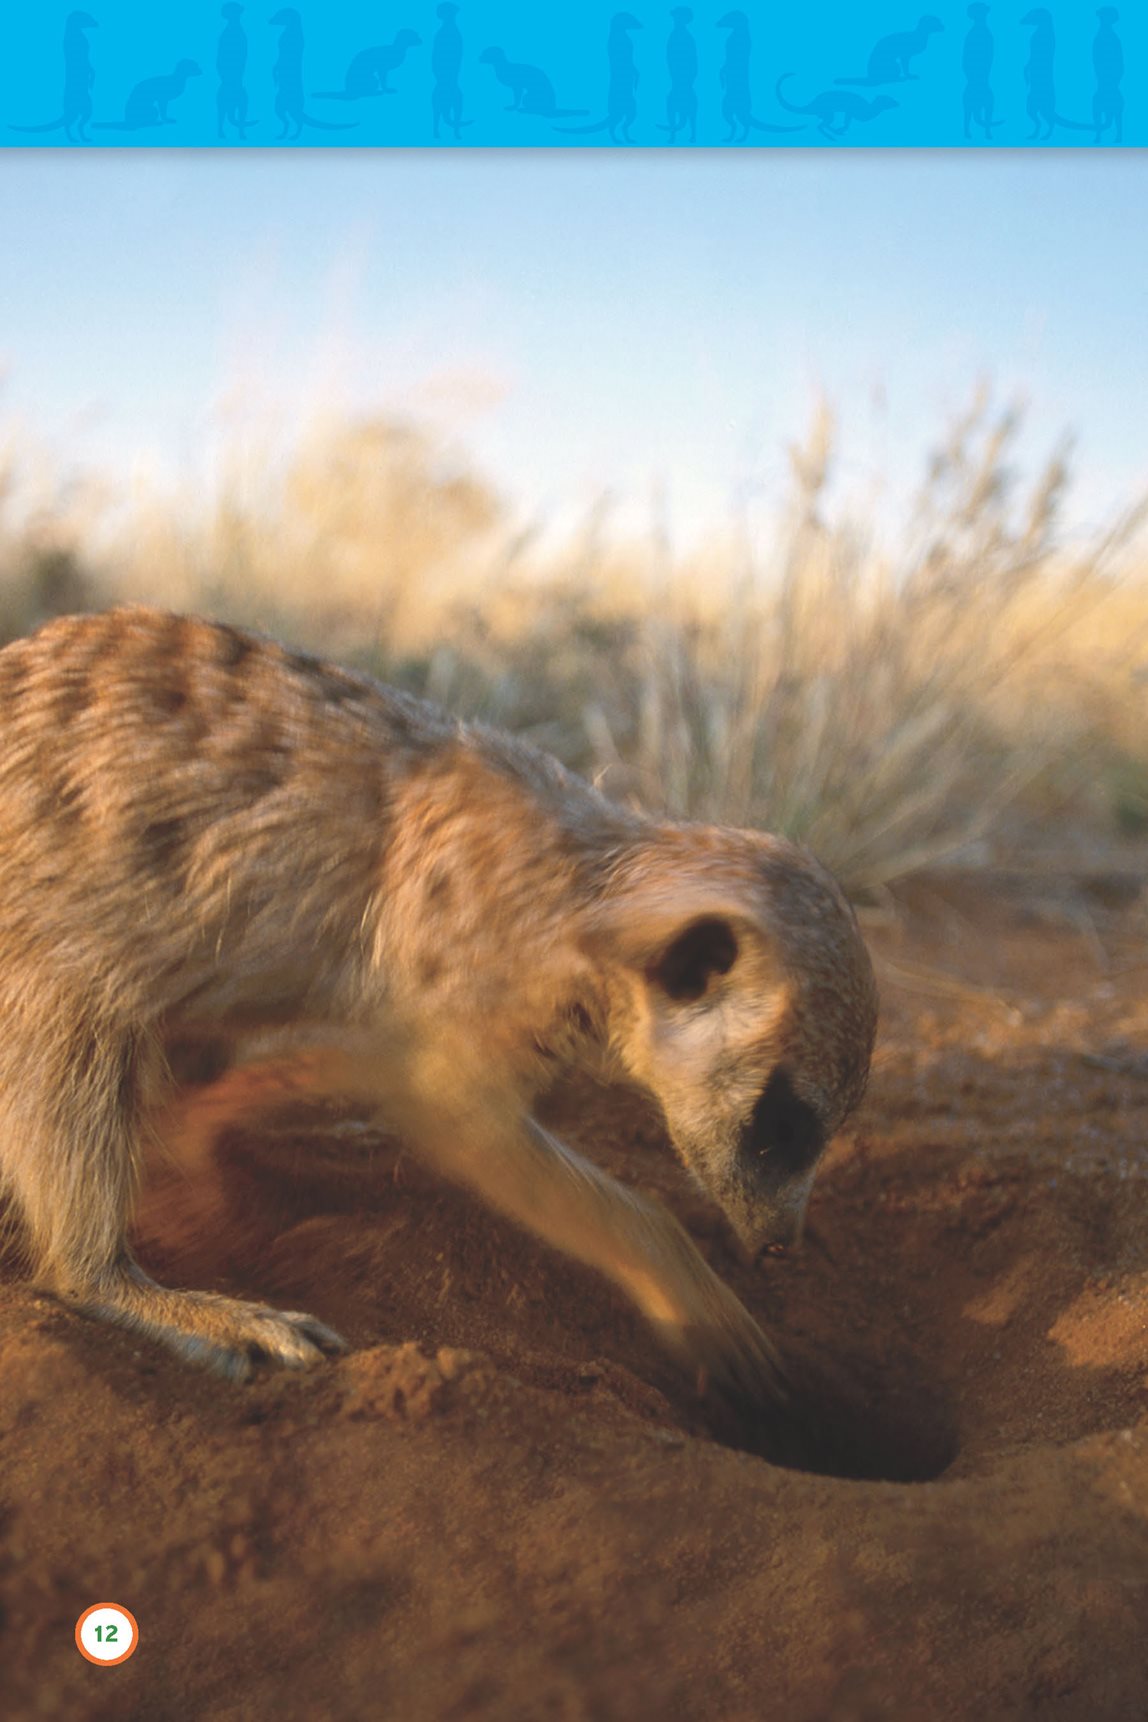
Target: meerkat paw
{"points": [[729, 1357], [230, 1337], [742, 1368], [222, 1334]]}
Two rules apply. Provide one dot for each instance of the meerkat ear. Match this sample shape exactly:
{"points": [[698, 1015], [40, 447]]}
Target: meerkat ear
{"points": [[679, 939], [706, 947]]}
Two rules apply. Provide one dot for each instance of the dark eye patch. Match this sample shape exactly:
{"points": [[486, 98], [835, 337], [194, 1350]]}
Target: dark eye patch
{"points": [[783, 1129]]}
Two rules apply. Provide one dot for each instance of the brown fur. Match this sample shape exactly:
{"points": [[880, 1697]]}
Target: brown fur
{"points": [[201, 832]]}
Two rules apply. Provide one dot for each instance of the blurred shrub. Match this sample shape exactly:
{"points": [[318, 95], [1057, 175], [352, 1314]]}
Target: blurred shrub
{"points": [[884, 705]]}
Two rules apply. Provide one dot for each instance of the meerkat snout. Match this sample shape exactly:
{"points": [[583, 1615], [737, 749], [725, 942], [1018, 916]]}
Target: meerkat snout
{"points": [[777, 1154]]}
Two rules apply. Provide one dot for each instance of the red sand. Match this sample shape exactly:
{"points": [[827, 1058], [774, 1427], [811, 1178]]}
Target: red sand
{"points": [[502, 1506]]}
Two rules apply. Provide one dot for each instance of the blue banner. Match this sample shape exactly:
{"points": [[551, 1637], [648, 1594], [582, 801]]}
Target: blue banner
{"points": [[500, 73]]}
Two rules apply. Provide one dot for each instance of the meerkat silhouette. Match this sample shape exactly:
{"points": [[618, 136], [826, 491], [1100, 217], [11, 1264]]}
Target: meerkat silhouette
{"points": [[147, 103], [843, 105], [290, 100], [682, 61], [622, 93], [977, 65], [446, 64], [737, 101], [532, 90], [892, 56], [202, 832], [231, 64], [1040, 76], [368, 72], [1108, 65], [79, 79]]}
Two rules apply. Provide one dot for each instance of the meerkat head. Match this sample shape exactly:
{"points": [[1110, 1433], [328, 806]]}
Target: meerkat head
{"points": [[743, 1000]]}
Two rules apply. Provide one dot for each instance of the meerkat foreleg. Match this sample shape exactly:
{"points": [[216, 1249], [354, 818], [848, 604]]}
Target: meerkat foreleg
{"points": [[525, 1172], [639, 1244], [481, 1137], [70, 1158]]}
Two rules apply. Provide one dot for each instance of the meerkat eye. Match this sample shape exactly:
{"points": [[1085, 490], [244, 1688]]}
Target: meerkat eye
{"points": [[783, 1127], [706, 948]]}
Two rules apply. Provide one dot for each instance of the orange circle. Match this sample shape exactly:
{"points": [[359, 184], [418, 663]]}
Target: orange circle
{"points": [[112, 1661]]}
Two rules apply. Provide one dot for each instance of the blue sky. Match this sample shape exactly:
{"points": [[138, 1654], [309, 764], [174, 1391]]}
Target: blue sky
{"points": [[614, 321]]}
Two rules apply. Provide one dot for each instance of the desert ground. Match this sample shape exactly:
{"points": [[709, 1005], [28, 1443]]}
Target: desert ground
{"points": [[502, 1504]]}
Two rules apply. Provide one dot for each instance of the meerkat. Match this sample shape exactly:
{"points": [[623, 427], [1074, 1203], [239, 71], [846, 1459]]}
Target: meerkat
{"points": [[205, 833]]}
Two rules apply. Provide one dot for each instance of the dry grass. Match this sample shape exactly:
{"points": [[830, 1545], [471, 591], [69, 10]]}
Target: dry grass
{"points": [[886, 706]]}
